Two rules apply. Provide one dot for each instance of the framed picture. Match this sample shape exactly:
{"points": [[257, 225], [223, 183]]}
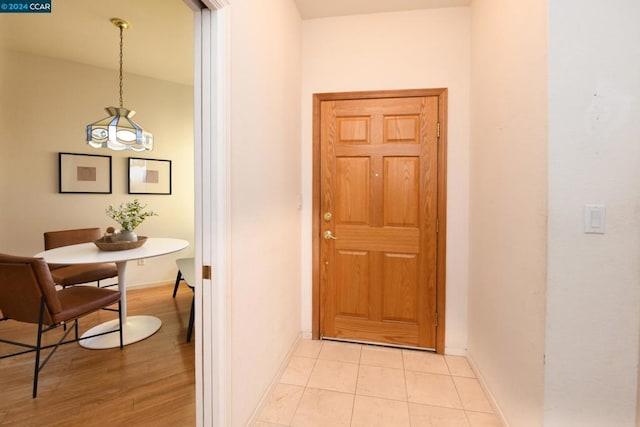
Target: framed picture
{"points": [[149, 176], [84, 173]]}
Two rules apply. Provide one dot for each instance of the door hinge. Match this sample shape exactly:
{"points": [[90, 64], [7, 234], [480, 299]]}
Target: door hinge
{"points": [[438, 129], [435, 319], [437, 225], [206, 272]]}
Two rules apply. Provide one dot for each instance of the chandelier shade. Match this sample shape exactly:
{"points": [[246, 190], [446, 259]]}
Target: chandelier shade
{"points": [[118, 131]]}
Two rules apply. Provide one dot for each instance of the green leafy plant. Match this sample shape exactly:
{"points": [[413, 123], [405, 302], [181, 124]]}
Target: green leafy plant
{"points": [[129, 215]]}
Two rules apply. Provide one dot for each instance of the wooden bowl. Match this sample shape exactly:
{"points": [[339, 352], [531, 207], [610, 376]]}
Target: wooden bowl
{"points": [[119, 245]]}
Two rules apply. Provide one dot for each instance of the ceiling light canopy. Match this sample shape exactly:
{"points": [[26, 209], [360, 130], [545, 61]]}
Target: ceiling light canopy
{"points": [[118, 131]]}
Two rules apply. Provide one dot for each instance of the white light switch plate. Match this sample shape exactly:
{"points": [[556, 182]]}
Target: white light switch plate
{"points": [[594, 219]]}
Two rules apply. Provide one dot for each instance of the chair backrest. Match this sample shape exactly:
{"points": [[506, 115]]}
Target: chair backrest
{"points": [[23, 282], [56, 239]]}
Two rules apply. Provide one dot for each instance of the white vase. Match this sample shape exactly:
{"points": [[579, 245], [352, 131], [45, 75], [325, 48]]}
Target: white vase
{"points": [[128, 236]]}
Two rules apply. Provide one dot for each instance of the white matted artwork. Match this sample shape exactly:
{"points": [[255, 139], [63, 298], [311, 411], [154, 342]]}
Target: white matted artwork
{"points": [[84, 173], [149, 176]]}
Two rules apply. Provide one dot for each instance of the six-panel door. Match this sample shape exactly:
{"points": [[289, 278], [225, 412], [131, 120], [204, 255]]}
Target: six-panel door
{"points": [[379, 220]]}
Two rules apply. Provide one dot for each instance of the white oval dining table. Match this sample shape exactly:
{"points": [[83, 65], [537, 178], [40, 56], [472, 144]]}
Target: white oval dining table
{"points": [[135, 328]]}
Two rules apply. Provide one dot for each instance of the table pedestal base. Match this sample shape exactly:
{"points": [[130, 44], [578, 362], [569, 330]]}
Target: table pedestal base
{"points": [[136, 328]]}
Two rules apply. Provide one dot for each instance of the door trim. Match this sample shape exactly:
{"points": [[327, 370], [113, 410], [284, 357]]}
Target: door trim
{"points": [[441, 251], [212, 142]]}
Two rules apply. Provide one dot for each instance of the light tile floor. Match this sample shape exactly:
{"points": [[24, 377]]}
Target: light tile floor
{"points": [[333, 384]]}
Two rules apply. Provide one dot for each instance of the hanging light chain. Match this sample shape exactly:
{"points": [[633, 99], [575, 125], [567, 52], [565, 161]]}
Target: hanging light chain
{"points": [[121, 45]]}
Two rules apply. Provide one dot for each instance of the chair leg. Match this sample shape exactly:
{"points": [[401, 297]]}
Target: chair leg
{"points": [[175, 288], [38, 345], [191, 316]]}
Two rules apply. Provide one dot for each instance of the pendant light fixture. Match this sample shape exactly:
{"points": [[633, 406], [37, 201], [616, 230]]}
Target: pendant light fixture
{"points": [[118, 131]]}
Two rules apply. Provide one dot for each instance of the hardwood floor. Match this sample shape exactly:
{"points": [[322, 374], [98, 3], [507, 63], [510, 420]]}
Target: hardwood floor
{"points": [[148, 383]]}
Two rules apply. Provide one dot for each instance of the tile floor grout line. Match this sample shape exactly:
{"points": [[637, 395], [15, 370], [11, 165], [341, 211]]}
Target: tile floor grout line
{"points": [[434, 373], [406, 387], [304, 388], [466, 417], [353, 405], [459, 396], [306, 385], [447, 365], [406, 391]]}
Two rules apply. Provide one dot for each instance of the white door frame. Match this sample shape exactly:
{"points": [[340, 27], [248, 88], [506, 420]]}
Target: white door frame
{"points": [[211, 152]]}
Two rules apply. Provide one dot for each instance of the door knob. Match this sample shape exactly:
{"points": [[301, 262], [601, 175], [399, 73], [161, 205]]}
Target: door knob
{"points": [[329, 235]]}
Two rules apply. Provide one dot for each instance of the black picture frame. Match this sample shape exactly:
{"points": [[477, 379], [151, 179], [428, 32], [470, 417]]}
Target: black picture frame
{"points": [[149, 176], [84, 173]]}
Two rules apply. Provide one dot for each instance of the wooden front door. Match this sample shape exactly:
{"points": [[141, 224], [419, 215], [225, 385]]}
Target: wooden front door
{"points": [[379, 219]]}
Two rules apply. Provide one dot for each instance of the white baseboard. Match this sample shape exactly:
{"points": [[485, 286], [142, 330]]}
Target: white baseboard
{"points": [[455, 351], [489, 393], [276, 380], [147, 285]]}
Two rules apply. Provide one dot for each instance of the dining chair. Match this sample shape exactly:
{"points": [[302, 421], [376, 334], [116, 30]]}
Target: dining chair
{"points": [[28, 294], [186, 272], [67, 275]]}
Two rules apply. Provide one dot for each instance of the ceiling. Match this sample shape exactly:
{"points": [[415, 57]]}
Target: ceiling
{"points": [[311, 9], [159, 43]]}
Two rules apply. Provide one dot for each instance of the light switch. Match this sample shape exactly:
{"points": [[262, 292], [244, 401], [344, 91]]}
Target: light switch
{"points": [[594, 219]]}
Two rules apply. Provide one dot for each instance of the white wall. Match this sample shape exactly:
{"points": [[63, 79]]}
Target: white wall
{"points": [[265, 182], [45, 105], [509, 203], [404, 50], [593, 295]]}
